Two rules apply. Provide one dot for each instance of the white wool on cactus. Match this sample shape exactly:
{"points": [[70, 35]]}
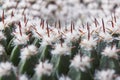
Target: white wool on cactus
{"points": [[71, 36], [106, 36], [28, 51], [36, 6], [64, 78], [5, 68], [104, 75], [44, 68], [61, 49], [52, 7], [23, 77], [48, 40], [88, 44], [110, 52], [9, 4], [80, 62], [20, 38], [23, 4]]}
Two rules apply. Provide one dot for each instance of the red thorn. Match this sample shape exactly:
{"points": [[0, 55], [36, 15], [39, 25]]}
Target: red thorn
{"points": [[3, 17], [103, 25], [48, 32], [81, 31], [71, 27], [29, 35], [20, 28], [26, 22], [39, 34], [16, 5], [24, 10], [42, 24], [25, 19], [12, 14], [112, 24], [88, 28], [59, 24], [96, 22], [33, 27], [114, 17]]}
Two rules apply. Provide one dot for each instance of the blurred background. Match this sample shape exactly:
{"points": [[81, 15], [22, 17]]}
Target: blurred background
{"points": [[65, 11]]}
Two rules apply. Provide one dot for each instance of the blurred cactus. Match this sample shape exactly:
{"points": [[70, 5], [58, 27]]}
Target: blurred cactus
{"points": [[33, 47]]}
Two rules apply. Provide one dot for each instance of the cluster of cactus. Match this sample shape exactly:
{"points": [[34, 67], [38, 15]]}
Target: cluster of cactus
{"points": [[32, 49], [42, 52]]}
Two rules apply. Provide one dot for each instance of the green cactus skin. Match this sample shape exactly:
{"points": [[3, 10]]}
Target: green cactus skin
{"points": [[15, 55], [46, 54], [79, 75], [28, 65]]}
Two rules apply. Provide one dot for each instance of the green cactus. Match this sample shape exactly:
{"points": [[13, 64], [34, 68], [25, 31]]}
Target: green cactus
{"points": [[50, 40]]}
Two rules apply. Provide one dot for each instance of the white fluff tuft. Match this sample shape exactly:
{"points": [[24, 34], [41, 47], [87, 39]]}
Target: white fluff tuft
{"points": [[44, 68], [61, 50], [23, 77], [5, 68], [64, 78], [104, 75], [110, 52], [28, 51], [81, 62]]}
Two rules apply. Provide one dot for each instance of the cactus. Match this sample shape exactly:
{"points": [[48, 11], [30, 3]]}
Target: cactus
{"points": [[59, 40]]}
